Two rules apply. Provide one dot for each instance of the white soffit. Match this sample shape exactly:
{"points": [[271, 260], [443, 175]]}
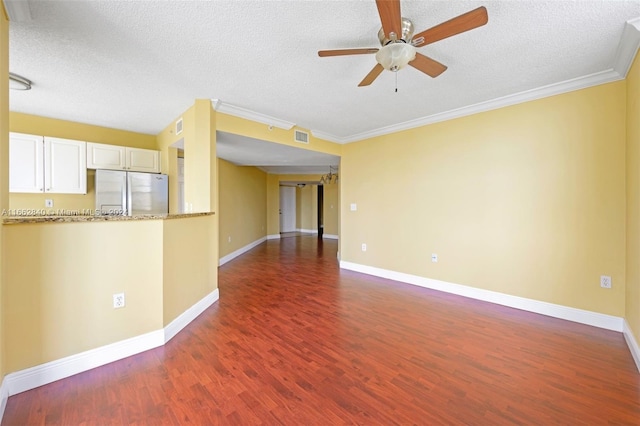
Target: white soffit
{"points": [[272, 157]]}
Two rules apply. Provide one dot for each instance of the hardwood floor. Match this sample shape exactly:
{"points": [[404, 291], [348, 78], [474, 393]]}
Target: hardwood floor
{"points": [[294, 340]]}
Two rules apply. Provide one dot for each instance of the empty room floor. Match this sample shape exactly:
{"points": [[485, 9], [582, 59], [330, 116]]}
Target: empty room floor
{"points": [[295, 340]]}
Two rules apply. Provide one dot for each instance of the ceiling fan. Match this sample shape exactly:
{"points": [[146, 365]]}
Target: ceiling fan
{"points": [[399, 44]]}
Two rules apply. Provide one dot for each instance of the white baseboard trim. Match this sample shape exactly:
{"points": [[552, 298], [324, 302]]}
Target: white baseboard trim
{"points": [[632, 343], [273, 237], [4, 397], [175, 326], [43, 374], [330, 236], [30, 378], [241, 250], [307, 231], [582, 316]]}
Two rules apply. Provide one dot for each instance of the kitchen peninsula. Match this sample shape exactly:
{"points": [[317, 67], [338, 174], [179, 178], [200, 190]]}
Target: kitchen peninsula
{"points": [[62, 273], [70, 218]]}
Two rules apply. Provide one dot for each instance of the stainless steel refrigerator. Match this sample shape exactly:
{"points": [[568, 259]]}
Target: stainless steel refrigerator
{"points": [[131, 193]]}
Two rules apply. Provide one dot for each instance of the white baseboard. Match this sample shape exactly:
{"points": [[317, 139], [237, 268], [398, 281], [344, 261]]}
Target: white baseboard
{"points": [[330, 236], [175, 326], [595, 319], [39, 375], [241, 250], [632, 343], [273, 237], [307, 231], [4, 396], [43, 374]]}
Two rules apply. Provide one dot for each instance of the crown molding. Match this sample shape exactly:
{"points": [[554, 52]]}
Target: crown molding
{"points": [[329, 137], [625, 54], [237, 111], [627, 47], [529, 95], [18, 10]]}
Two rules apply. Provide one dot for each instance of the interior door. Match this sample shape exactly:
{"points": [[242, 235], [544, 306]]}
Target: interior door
{"points": [[287, 209]]}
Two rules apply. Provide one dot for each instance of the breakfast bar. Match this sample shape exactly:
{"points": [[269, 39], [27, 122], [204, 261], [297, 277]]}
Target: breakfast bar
{"points": [[62, 273]]}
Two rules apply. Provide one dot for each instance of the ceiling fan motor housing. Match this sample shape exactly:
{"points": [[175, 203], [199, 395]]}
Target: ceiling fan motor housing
{"points": [[407, 33]]}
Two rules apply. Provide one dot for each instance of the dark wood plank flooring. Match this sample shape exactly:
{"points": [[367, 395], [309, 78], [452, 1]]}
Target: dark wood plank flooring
{"points": [[294, 340]]}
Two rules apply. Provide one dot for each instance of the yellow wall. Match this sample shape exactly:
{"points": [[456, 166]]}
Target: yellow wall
{"points": [[4, 168], [632, 296], [165, 139], [330, 209], [527, 200], [242, 206], [32, 124], [60, 280], [307, 208], [36, 125], [188, 272], [273, 205]]}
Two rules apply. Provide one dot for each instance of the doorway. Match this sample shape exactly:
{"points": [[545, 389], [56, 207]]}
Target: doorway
{"points": [[320, 210], [287, 209]]}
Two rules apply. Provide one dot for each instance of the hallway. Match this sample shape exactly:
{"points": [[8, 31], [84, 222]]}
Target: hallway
{"points": [[295, 340]]}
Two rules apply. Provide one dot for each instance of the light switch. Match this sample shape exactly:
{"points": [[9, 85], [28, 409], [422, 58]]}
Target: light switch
{"points": [[48, 202], [354, 207]]}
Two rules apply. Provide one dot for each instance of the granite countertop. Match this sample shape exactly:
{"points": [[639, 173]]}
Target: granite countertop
{"points": [[34, 216]]}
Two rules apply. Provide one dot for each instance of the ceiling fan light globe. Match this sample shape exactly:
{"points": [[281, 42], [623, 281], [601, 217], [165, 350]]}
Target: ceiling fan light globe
{"points": [[395, 56]]}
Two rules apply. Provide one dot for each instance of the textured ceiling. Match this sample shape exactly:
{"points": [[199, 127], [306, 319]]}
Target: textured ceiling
{"points": [[136, 65]]}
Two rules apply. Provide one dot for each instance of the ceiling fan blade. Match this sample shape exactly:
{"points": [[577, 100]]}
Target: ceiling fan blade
{"points": [[341, 52], [389, 11], [465, 22], [427, 65], [373, 74]]}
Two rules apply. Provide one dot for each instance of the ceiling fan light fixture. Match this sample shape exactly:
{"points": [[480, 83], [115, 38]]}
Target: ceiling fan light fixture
{"points": [[395, 56]]}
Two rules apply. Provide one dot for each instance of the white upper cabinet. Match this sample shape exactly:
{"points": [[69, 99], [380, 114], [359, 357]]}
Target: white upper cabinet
{"points": [[113, 157], [26, 163], [101, 156], [50, 165], [65, 169]]}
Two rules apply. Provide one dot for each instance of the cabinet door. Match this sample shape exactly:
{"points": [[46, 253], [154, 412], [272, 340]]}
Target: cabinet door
{"points": [[143, 160], [102, 156], [26, 163], [65, 169]]}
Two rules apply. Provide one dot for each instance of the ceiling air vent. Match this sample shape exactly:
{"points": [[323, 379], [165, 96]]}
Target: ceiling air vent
{"points": [[179, 126], [300, 136]]}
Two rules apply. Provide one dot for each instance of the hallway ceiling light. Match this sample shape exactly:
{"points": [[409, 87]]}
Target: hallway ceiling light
{"points": [[331, 177]]}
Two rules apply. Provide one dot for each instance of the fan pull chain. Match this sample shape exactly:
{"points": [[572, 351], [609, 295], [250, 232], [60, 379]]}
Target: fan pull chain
{"points": [[396, 82]]}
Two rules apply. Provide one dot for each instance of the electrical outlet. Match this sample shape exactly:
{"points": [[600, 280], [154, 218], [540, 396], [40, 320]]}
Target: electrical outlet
{"points": [[605, 281], [434, 257], [229, 239], [364, 247], [118, 300]]}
